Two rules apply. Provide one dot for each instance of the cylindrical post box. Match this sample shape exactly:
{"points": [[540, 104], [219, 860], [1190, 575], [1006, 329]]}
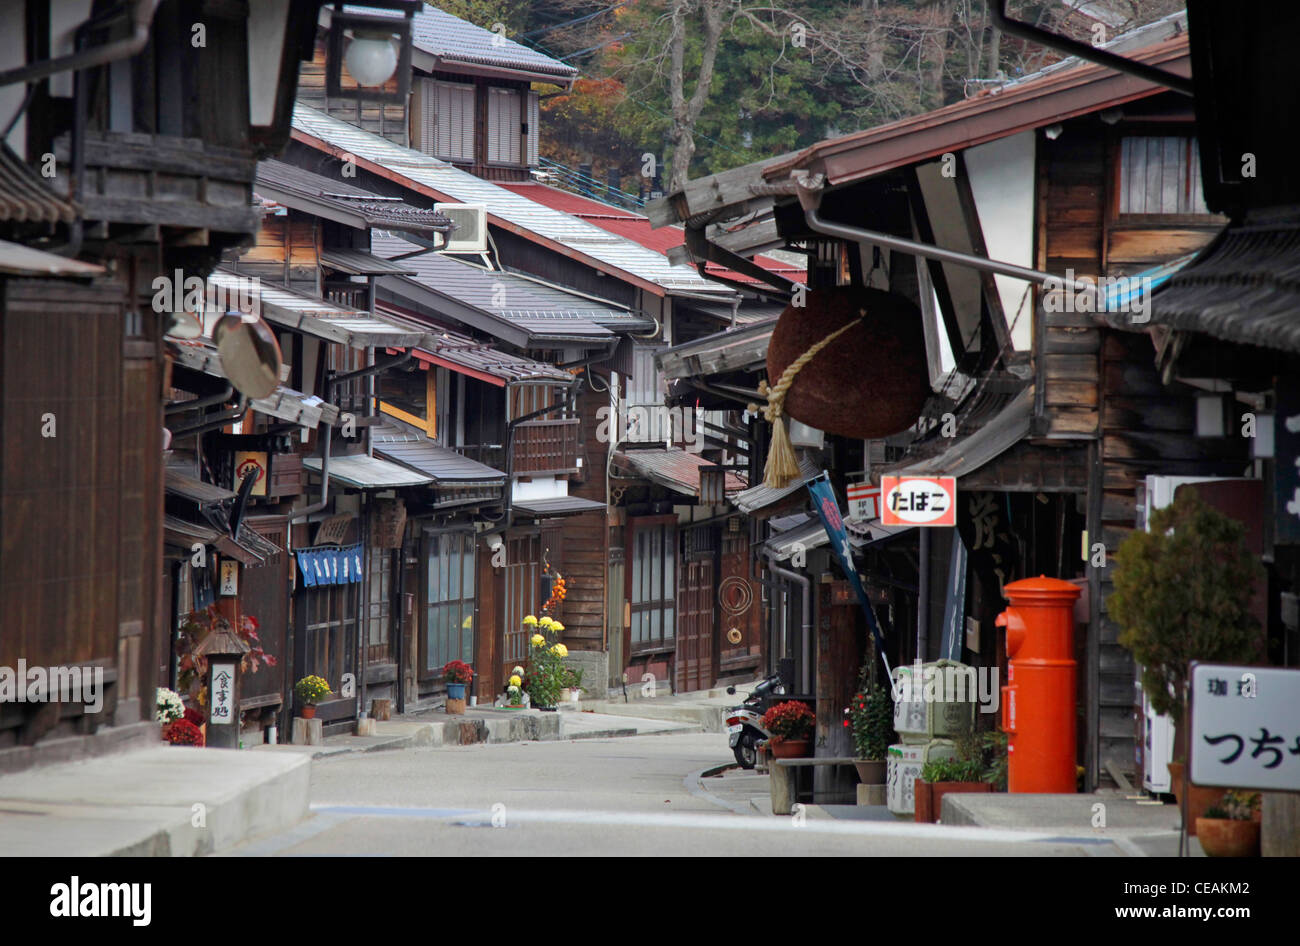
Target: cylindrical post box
{"points": [[1038, 702]]}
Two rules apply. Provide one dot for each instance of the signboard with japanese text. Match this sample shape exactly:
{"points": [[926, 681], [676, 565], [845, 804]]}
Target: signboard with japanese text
{"points": [[229, 578], [251, 461], [222, 709], [918, 500], [864, 501], [1245, 727]]}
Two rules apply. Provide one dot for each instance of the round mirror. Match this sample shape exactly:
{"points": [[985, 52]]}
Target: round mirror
{"points": [[250, 355]]}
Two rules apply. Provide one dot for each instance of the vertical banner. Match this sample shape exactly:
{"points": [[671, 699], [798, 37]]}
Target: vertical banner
{"points": [[954, 609], [828, 510]]}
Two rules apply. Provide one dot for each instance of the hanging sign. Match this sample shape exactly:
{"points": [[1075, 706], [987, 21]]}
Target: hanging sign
{"points": [[229, 578], [251, 461], [1245, 731], [864, 501], [918, 500], [334, 530]]}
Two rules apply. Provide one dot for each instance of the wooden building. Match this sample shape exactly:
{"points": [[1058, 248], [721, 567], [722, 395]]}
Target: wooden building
{"points": [[111, 180]]}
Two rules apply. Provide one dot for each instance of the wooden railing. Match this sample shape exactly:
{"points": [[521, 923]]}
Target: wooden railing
{"points": [[546, 446]]}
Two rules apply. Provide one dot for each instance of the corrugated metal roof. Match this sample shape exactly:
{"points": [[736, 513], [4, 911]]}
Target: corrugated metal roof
{"points": [[403, 445], [559, 230], [317, 317], [637, 227], [188, 487], [757, 497], [19, 260], [338, 200], [462, 352], [557, 506], [676, 469], [967, 454], [498, 303], [361, 263], [450, 38], [363, 472]]}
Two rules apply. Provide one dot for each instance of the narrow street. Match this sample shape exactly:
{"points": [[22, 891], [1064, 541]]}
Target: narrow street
{"points": [[639, 795]]}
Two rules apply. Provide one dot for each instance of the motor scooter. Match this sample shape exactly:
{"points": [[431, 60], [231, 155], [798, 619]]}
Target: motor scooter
{"points": [[745, 728]]}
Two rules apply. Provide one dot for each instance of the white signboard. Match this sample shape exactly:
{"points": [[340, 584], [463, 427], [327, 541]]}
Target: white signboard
{"points": [[1245, 727], [864, 501], [918, 500], [222, 702], [229, 578]]}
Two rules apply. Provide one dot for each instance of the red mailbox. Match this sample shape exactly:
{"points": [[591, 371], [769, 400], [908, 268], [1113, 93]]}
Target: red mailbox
{"points": [[1038, 702]]}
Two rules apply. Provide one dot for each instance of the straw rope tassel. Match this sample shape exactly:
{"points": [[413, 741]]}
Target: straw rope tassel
{"points": [[782, 465]]}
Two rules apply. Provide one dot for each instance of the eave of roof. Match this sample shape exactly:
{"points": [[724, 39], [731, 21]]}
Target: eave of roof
{"points": [[1055, 97], [342, 202]]}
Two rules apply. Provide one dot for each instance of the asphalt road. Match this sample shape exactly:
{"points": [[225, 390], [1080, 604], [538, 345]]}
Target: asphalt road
{"points": [[639, 795]]}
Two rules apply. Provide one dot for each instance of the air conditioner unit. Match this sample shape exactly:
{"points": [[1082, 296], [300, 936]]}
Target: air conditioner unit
{"points": [[470, 235]]}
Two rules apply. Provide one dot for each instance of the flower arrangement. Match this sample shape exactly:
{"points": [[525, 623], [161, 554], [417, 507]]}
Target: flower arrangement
{"points": [[790, 721], [181, 732], [168, 705], [457, 671], [870, 716], [312, 689]]}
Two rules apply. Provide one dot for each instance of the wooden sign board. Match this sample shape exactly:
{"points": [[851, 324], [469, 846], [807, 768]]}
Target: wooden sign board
{"points": [[229, 585], [864, 501], [252, 461], [918, 501]]}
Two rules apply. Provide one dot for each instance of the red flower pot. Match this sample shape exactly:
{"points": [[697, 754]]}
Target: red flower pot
{"points": [[929, 797], [789, 748], [309, 711]]}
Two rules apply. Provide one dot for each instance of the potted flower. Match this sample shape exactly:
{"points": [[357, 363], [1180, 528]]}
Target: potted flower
{"points": [[515, 689], [573, 683], [870, 719], [310, 690], [1230, 829], [1183, 592], [939, 777], [791, 725], [182, 732], [457, 675], [546, 673]]}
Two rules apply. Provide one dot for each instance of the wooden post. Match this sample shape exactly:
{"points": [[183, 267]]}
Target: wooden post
{"points": [[1280, 817]]}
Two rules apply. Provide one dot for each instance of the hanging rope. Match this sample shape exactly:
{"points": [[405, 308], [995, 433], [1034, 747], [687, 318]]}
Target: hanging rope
{"points": [[782, 465]]}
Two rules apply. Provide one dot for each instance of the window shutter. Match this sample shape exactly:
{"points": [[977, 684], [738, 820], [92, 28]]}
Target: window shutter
{"points": [[427, 115], [464, 149], [444, 137], [494, 125], [534, 127], [504, 118]]}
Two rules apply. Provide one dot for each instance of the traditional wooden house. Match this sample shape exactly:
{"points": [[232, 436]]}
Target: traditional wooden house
{"points": [[1048, 421], [128, 156]]}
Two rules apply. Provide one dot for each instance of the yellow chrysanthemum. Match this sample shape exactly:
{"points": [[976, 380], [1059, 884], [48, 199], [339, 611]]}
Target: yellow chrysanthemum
{"points": [[547, 621], [515, 681], [538, 640], [557, 626], [561, 650], [530, 620]]}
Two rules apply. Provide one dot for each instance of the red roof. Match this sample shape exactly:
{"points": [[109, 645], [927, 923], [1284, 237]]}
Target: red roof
{"points": [[635, 227]]}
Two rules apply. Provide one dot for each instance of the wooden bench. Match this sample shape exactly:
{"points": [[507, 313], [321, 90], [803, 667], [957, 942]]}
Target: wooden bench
{"points": [[783, 777]]}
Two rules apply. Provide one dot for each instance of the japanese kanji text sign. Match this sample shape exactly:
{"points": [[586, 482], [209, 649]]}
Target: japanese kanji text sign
{"points": [[864, 501], [1245, 727], [222, 702], [918, 500]]}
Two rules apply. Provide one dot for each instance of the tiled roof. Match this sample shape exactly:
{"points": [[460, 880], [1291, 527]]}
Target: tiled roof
{"points": [[576, 238], [762, 495]]}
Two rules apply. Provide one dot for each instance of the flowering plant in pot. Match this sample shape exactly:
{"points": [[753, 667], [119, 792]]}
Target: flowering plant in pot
{"points": [[940, 777], [515, 689], [870, 718], [168, 706], [310, 690], [1183, 592], [546, 675], [457, 675], [573, 683], [1230, 829], [791, 725], [182, 732]]}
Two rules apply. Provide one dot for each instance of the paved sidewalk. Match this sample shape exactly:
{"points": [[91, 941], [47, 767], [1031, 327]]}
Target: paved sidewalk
{"points": [[160, 801], [705, 709]]}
